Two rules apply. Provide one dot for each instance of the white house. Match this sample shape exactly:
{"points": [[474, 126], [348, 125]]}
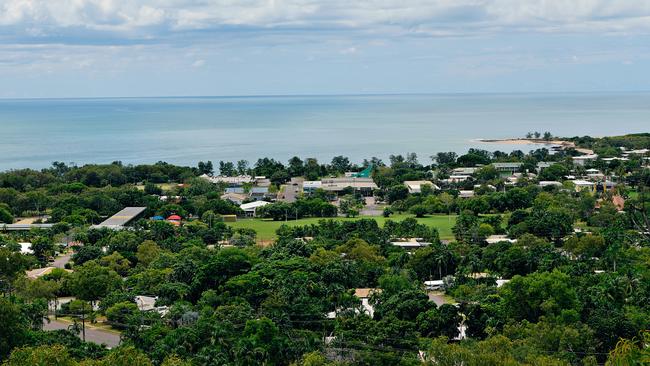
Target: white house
{"points": [[26, 248], [250, 208], [584, 159], [415, 186]]}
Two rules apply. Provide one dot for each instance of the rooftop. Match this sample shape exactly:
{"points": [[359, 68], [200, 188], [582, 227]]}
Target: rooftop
{"points": [[121, 218]]}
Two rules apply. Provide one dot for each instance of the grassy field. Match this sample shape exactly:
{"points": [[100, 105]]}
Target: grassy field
{"points": [[266, 228]]}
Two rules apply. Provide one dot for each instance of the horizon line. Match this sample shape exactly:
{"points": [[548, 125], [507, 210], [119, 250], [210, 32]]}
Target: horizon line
{"points": [[235, 96]]}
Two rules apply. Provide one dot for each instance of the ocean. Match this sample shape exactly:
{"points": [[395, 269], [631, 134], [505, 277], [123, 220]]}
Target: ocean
{"points": [[36, 132]]}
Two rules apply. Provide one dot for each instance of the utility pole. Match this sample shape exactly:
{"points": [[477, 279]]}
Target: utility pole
{"points": [[83, 320]]}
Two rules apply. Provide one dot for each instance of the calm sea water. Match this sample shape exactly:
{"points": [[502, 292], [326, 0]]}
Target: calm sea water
{"points": [[34, 133]]}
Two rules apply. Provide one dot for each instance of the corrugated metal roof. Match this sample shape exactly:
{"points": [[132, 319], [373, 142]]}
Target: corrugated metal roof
{"points": [[122, 218]]}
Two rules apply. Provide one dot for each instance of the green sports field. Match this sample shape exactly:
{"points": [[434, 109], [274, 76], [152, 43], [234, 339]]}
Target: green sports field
{"points": [[266, 228]]}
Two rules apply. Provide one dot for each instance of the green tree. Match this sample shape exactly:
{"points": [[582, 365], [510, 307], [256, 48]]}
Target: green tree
{"points": [[419, 210], [43, 248], [5, 216], [546, 293], [122, 313], [148, 251], [92, 282], [12, 264], [41, 356], [13, 327], [116, 262]]}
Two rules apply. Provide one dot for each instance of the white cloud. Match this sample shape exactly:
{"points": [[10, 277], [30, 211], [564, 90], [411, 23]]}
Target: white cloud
{"points": [[348, 51], [198, 63], [155, 18]]}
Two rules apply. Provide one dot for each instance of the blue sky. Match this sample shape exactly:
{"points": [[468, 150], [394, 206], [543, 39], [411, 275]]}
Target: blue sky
{"points": [[86, 48]]}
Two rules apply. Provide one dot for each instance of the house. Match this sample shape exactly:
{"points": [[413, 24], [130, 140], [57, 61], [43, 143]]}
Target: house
{"points": [[466, 194], [510, 168], [250, 209], [172, 199], [609, 160], [364, 295], [262, 181], [148, 303], [237, 181], [26, 248], [236, 198], [584, 159], [549, 183], [636, 152], [145, 303], [365, 186], [238, 190], [457, 178], [415, 186], [434, 285], [310, 186], [501, 282], [410, 244], [488, 186], [259, 193], [582, 184], [543, 165], [465, 171], [605, 186], [516, 177]]}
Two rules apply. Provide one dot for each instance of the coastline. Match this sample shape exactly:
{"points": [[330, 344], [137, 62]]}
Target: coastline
{"points": [[560, 144]]}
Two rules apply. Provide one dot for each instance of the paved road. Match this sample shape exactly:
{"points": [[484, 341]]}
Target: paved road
{"points": [[94, 335], [60, 261]]}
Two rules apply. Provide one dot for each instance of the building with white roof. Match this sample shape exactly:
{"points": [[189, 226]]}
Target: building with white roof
{"points": [[415, 186], [250, 209], [549, 183], [584, 159], [582, 184], [465, 171], [310, 186]]}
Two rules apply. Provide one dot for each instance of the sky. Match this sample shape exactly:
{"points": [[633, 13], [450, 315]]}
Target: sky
{"points": [[95, 48]]}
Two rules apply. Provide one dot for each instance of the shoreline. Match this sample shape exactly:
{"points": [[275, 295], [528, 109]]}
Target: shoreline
{"points": [[560, 144]]}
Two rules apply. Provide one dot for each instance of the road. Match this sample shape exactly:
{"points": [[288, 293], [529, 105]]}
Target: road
{"points": [[60, 261], [93, 334]]}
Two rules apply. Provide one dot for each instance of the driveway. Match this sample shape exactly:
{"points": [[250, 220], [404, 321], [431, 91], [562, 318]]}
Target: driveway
{"points": [[290, 193], [438, 297], [371, 208], [94, 335]]}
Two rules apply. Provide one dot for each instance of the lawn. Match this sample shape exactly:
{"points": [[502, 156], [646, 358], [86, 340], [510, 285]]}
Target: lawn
{"points": [[266, 228]]}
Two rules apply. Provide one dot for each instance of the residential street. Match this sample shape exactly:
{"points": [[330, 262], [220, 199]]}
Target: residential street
{"points": [[93, 334], [60, 261]]}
